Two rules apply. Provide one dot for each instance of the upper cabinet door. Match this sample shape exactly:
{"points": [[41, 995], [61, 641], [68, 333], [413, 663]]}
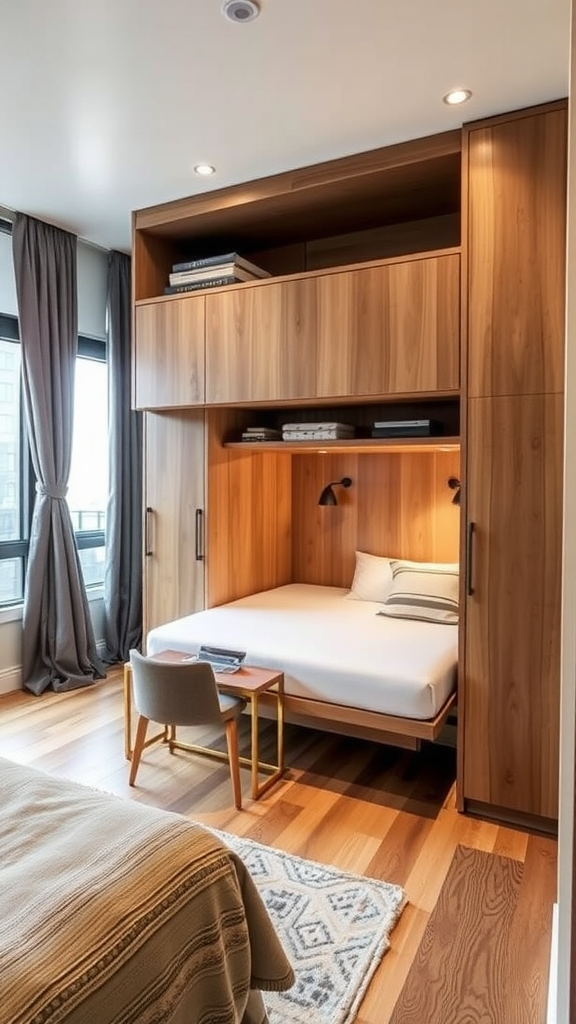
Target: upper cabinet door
{"points": [[390, 330], [516, 245], [261, 342], [169, 353], [385, 330]]}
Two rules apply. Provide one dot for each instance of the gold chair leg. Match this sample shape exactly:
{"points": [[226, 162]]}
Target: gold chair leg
{"points": [[233, 758], [138, 747]]}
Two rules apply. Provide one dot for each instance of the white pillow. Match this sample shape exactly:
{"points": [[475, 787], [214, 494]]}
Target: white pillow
{"points": [[372, 578], [426, 591]]}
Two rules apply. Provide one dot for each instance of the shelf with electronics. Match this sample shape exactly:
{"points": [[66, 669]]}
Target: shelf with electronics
{"points": [[443, 414]]}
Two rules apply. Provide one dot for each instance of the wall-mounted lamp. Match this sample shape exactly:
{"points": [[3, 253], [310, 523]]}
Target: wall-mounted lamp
{"points": [[454, 485], [328, 497]]}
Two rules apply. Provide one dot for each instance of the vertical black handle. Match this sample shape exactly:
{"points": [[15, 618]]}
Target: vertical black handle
{"points": [[199, 535], [147, 546], [469, 559]]}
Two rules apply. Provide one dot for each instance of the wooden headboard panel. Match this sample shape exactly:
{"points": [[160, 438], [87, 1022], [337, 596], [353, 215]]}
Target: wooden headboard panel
{"points": [[398, 505]]}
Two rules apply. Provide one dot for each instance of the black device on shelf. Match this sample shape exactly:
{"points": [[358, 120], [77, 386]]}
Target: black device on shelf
{"points": [[407, 428]]}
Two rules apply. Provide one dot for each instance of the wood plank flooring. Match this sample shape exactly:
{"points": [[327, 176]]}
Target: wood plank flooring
{"points": [[466, 967], [375, 810]]}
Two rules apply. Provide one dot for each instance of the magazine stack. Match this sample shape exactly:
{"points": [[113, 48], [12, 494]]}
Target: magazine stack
{"points": [[212, 272]]}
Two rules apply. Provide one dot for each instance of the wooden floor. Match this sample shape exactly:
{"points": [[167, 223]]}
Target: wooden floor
{"points": [[366, 808]]}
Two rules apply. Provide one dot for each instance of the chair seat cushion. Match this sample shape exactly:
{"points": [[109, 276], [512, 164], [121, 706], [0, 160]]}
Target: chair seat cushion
{"points": [[230, 706]]}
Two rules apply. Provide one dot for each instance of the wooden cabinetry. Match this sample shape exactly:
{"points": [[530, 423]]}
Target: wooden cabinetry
{"points": [[168, 359], [174, 495], [516, 173], [391, 329], [261, 342], [388, 329], [384, 327]]}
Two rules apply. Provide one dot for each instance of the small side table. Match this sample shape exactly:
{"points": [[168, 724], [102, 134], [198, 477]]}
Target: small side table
{"points": [[248, 683]]}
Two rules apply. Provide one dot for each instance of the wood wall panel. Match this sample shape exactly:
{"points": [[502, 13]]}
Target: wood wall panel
{"points": [[513, 616], [516, 254], [398, 505], [383, 242], [248, 531]]}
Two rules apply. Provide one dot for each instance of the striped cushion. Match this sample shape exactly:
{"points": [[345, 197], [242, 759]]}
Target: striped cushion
{"points": [[423, 590]]}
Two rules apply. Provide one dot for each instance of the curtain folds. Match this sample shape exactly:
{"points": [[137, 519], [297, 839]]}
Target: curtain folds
{"points": [[59, 649], [123, 572]]}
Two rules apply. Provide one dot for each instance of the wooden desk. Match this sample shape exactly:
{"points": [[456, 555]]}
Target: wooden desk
{"points": [[248, 683]]}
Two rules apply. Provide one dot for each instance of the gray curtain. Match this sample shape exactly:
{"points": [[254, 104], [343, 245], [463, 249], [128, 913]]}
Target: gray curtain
{"points": [[59, 649], [123, 573]]}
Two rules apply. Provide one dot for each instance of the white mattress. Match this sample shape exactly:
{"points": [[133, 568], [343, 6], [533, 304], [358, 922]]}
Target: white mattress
{"points": [[330, 648]]}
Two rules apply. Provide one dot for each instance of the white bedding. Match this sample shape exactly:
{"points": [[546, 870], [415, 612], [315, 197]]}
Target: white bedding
{"points": [[330, 648]]}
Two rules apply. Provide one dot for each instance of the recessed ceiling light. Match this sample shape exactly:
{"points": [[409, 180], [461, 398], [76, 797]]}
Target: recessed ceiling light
{"points": [[240, 11], [457, 96], [205, 170]]}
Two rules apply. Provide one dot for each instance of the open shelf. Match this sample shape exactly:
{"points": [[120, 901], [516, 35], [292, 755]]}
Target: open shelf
{"points": [[356, 446]]}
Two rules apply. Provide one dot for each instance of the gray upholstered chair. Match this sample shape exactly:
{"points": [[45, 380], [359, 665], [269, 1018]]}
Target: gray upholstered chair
{"points": [[183, 693]]}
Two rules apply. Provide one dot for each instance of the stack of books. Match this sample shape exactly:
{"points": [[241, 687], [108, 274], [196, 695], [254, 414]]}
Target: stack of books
{"points": [[322, 431], [212, 272], [261, 434]]}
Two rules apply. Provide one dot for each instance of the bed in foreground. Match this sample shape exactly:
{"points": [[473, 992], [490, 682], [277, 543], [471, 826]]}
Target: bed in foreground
{"points": [[347, 667], [118, 913]]}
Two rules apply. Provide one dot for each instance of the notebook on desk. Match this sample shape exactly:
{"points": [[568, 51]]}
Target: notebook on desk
{"points": [[221, 659]]}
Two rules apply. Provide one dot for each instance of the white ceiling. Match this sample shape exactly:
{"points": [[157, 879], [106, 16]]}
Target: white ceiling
{"points": [[106, 105]]}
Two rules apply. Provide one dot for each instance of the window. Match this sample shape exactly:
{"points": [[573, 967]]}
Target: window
{"points": [[14, 479], [88, 482]]}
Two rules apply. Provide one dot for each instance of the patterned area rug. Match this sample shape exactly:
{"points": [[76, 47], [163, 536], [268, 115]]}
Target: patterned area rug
{"points": [[334, 927]]}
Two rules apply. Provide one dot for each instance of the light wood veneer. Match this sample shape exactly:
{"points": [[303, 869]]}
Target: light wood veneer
{"points": [[169, 354], [174, 489], [381, 330], [398, 505], [513, 616], [518, 220]]}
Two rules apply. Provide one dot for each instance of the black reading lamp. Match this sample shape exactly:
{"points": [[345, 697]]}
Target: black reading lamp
{"points": [[328, 497], [454, 485]]}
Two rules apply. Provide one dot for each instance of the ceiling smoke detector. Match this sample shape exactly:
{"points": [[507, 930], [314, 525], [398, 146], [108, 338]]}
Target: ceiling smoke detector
{"points": [[240, 11]]}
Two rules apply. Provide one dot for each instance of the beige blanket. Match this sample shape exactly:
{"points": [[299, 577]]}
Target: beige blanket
{"points": [[116, 913]]}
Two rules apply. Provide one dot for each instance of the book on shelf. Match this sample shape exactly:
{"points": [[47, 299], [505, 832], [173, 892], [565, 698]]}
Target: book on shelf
{"points": [[216, 261], [317, 435], [261, 434], [209, 273], [192, 286], [321, 425]]}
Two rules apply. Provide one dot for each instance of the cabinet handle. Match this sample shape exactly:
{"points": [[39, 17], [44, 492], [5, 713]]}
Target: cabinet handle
{"points": [[147, 532], [469, 563], [199, 535]]}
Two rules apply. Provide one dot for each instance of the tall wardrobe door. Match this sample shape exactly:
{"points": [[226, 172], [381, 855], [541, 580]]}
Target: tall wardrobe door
{"points": [[513, 604], [516, 255], [174, 515]]}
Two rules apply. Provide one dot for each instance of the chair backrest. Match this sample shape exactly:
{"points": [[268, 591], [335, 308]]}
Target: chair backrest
{"points": [[175, 693]]}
